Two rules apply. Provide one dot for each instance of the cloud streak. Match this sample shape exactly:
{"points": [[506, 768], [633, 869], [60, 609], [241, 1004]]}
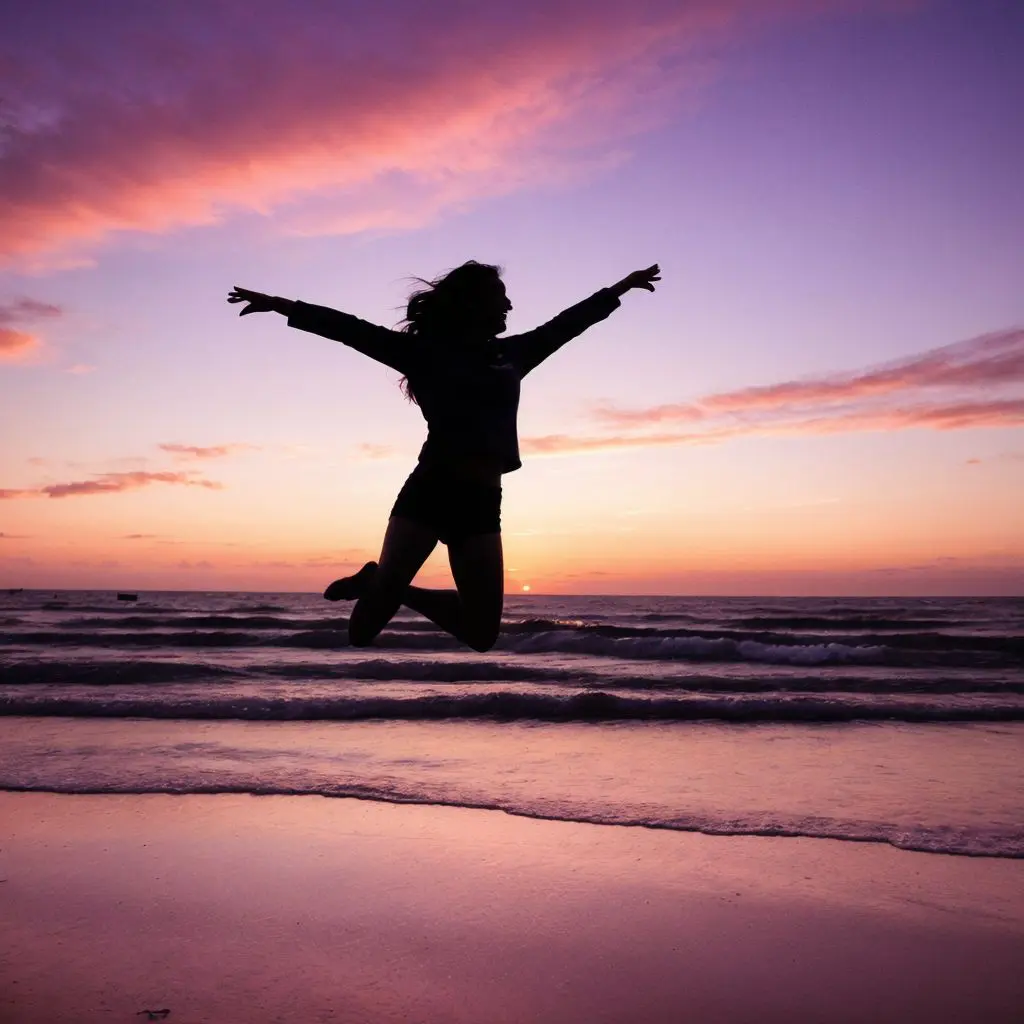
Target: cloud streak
{"points": [[110, 483], [990, 361], [371, 451], [201, 452], [134, 479], [337, 117], [972, 384]]}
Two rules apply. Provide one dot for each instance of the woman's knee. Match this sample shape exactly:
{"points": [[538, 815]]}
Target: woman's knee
{"points": [[372, 612], [361, 638], [361, 634], [481, 636]]}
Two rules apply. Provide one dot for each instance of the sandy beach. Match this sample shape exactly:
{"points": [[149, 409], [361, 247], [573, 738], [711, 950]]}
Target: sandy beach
{"points": [[260, 909]]}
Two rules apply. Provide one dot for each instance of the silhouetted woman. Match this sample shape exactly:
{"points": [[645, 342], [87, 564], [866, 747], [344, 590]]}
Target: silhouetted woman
{"points": [[465, 380]]}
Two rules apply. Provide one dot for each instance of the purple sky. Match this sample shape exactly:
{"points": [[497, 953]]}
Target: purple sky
{"points": [[825, 395]]}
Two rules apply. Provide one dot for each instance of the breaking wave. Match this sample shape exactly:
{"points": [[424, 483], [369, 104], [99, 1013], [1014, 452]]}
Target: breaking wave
{"points": [[941, 839], [506, 705]]}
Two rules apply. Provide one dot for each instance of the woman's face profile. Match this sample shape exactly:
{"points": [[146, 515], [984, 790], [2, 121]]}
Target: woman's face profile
{"points": [[489, 307]]}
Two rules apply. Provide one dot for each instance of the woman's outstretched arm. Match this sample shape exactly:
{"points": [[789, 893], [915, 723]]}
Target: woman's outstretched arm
{"points": [[393, 348], [530, 349]]}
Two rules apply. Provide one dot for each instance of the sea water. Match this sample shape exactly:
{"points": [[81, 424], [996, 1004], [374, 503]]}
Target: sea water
{"points": [[890, 720]]}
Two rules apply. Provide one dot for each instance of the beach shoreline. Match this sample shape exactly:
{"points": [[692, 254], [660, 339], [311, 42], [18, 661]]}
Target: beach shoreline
{"points": [[312, 909]]}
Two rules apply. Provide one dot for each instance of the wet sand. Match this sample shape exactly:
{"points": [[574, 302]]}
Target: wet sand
{"points": [[305, 909]]}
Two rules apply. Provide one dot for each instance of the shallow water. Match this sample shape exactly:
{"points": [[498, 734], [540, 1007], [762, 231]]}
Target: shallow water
{"points": [[865, 720]]}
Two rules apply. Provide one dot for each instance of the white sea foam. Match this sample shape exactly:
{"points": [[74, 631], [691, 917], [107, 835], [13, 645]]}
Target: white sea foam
{"points": [[867, 786]]}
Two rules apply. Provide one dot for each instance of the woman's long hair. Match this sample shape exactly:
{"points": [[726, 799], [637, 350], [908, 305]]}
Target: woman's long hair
{"points": [[435, 308]]}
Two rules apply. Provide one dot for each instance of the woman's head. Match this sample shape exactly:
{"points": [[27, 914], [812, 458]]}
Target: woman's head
{"points": [[468, 302]]}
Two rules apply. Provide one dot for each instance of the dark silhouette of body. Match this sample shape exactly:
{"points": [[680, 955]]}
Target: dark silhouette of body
{"points": [[466, 381]]}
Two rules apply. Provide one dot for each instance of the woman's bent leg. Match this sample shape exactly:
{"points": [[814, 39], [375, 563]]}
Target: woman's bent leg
{"points": [[407, 545], [472, 613], [478, 568]]}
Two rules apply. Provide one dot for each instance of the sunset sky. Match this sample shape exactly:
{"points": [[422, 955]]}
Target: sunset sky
{"points": [[824, 396]]}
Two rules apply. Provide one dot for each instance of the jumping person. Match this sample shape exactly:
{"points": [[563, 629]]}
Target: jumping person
{"points": [[465, 379]]}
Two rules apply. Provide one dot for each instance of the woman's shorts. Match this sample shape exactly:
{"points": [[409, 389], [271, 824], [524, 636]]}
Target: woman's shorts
{"points": [[454, 507]]}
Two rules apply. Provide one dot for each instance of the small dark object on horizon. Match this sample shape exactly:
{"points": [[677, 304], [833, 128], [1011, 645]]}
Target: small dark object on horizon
{"points": [[127, 597]]}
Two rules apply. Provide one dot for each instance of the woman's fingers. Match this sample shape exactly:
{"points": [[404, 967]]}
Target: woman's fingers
{"points": [[649, 276], [645, 278], [256, 302]]}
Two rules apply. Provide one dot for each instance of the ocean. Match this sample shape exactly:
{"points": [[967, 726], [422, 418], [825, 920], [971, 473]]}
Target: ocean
{"points": [[865, 720]]}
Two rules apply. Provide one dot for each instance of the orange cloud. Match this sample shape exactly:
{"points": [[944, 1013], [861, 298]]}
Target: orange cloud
{"points": [[562, 444], [216, 451], [340, 117], [18, 345], [15, 345], [369, 450], [110, 483]]}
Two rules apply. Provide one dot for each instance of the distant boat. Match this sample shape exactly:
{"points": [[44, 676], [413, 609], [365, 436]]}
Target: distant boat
{"points": [[127, 597], [16, 590]]}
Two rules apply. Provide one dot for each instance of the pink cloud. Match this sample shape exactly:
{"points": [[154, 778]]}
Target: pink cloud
{"points": [[993, 359], [110, 483], [340, 117], [682, 412], [21, 310], [963, 416], [970, 385]]}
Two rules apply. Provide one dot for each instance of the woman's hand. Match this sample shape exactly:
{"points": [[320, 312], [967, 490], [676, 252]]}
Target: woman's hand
{"points": [[257, 302], [639, 279]]}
